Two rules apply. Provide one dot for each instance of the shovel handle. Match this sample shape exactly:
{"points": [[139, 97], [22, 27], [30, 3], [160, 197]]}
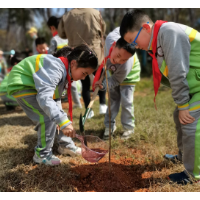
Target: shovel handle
{"points": [[96, 91]]}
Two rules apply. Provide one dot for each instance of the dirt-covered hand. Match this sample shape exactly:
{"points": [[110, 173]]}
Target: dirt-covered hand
{"points": [[69, 131], [98, 84], [185, 117]]}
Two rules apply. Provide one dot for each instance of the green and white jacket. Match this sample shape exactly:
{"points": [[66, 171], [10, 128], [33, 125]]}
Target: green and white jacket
{"points": [[178, 56], [42, 75]]}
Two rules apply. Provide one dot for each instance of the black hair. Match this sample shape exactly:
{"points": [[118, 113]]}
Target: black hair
{"points": [[40, 40], [121, 43], [133, 20], [53, 21], [16, 58], [84, 56]]}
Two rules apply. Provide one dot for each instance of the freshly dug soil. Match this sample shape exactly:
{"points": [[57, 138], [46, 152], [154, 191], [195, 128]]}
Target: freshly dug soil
{"points": [[121, 175]]}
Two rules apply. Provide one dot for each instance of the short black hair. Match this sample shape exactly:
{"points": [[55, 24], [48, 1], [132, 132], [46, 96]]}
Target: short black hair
{"points": [[121, 43], [53, 21], [84, 56], [40, 40], [16, 58], [133, 20]]}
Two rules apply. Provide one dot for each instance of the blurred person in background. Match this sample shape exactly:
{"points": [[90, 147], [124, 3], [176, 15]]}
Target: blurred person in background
{"points": [[57, 43], [8, 100], [33, 34], [85, 26], [3, 66], [41, 46]]}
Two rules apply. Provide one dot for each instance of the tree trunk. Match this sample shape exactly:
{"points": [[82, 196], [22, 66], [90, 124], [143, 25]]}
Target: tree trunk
{"points": [[191, 17], [7, 31], [48, 12], [176, 14]]}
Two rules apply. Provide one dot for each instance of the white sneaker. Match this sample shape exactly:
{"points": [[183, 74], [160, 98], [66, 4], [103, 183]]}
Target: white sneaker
{"points": [[90, 115], [103, 108], [127, 134], [71, 152], [106, 132], [50, 160]]}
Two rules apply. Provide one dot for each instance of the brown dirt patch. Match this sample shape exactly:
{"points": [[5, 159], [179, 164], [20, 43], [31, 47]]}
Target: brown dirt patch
{"points": [[120, 175]]}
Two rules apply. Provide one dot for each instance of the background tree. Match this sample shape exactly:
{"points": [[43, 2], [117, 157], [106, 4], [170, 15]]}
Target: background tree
{"points": [[15, 23]]}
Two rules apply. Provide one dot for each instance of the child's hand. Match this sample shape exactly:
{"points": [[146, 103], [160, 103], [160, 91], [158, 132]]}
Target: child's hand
{"points": [[69, 131], [98, 84], [185, 117]]}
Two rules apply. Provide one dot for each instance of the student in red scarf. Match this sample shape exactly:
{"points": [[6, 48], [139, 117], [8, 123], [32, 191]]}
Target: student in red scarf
{"points": [[56, 42], [36, 81], [123, 67], [175, 49]]}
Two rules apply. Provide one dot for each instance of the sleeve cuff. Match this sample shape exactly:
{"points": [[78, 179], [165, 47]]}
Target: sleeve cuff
{"points": [[104, 86], [64, 123], [183, 107]]}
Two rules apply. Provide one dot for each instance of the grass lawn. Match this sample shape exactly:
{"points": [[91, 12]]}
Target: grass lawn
{"points": [[154, 136]]}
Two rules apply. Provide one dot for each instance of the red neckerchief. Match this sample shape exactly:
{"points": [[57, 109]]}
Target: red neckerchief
{"points": [[65, 62], [55, 33], [156, 71], [98, 72]]}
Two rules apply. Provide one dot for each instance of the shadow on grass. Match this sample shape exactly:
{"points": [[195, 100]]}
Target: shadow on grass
{"points": [[22, 174], [16, 120], [3, 110], [99, 132], [19, 156]]}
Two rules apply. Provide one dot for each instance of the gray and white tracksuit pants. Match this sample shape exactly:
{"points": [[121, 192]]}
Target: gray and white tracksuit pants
{"points": [[46, 128], [124, 95], [188, 141]]}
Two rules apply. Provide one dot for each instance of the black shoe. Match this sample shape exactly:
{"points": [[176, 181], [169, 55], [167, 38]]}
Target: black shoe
{"points": [[173, 158], [180, 178]]}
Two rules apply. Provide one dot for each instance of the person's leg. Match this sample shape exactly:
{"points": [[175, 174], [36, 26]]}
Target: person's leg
{"points": [[114, 108], [190, 147], [86, 94], [45, 130], [127, 113], [75, 96], [178, 157], [86, 90], [102, 102]]}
